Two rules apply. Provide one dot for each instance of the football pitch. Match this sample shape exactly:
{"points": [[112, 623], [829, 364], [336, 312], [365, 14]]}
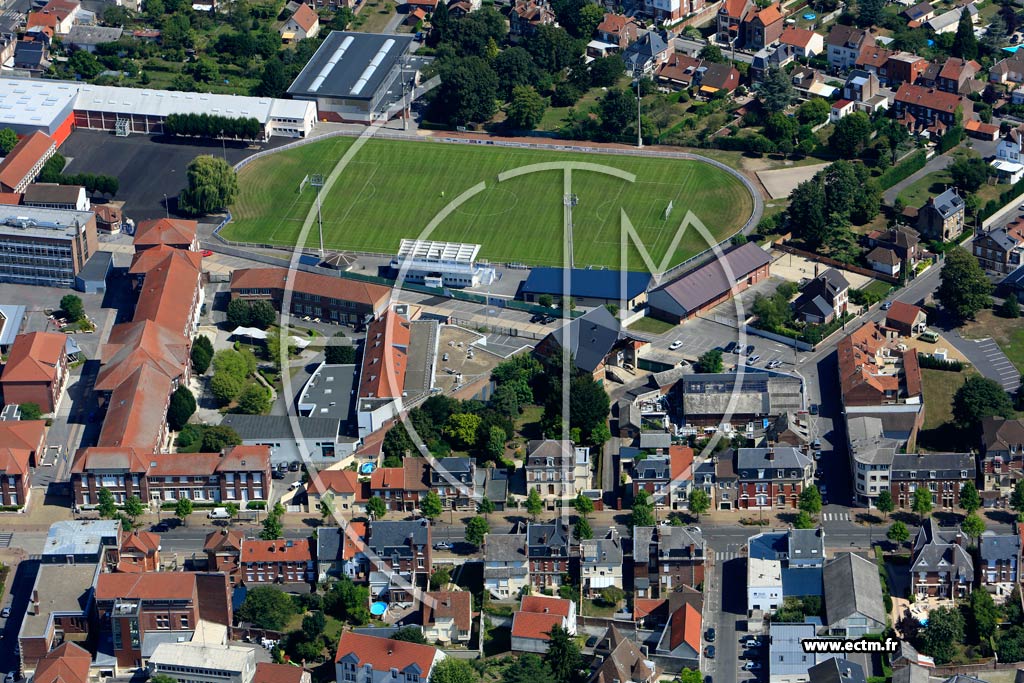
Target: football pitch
{"points": [[392, 189]]}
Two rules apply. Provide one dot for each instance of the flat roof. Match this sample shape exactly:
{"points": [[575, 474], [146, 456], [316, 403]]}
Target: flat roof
{"points": [[97, 267], [441, 252], [34, 102], [47, 223], [329, 392], [351, 65], [11, 318], [67, 591], [228, 658], [80, 537]]}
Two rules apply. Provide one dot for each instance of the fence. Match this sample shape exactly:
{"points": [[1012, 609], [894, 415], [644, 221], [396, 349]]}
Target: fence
{"points": [[810, 256], [788, 341]]}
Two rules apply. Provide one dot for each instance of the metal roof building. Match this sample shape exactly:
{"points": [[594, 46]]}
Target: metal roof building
{"points": [[351, 73], [441, 264], [31, 105]]}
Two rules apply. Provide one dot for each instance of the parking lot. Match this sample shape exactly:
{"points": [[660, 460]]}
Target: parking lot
{"points": [[700, 335], [990, 360]]}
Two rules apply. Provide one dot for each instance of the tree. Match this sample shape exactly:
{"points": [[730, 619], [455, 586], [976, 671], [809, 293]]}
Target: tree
{"points": [[348, 602], [202, 354], [218, 437], [225, 388], [851, 135], [212, 186], [553, 49], [452, 670], [486, 506], [606, 71], [1017, 499], [982, 616], [699, 502], [182, 509], [314, 624], [514, 67], [803, 520], [526, 108], [495, 446], [810, 500], [977, 398], [133, 509], [563, 656], [29, 411], [973, 526], [534, 504], [273, 80], [710, 361], [84, 64], [969, 173], [969, 498], [162, 678], [468, 90], [476, 529], [898, 533], [964, 290], [584, 506], [8, 139], [813, 111], [409, 634], [261, 314], [528, 668], [1010, 307], [884, 502], [439, 579], [869, 12], [944, 630], [545, 300], [272, 528], [72, 308], [238, 313], [376, 508], [181, 407], [712, 53], [921, 503], [643, 513], [326, 506], [965, 44], [775, 91], [617, 110], [581, 529], [461, 429], [690, 676], [267, 607], [431, 507], [339, 354], [106, 507], [255, 400]]}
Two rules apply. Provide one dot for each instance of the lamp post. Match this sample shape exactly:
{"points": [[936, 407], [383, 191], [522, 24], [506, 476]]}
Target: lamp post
{"points": [[570, 200], [638, 73]]}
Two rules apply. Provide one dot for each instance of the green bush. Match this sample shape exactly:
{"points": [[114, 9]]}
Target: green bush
{"points": [[256, 505], [930, 362], [903, 170]]}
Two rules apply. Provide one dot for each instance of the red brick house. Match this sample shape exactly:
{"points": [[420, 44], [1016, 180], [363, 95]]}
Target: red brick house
{"points": [[402, 488], [280, 561], [67, 663], [874, 371], [36, 370], [338, 299], [171, 232], [930, 109], [771, 477], [22, 443], [764, 27], [139, 552], [223, 550]]}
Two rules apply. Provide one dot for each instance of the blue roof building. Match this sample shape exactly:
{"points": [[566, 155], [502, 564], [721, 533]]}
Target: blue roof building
{"points": [[587, 287]]}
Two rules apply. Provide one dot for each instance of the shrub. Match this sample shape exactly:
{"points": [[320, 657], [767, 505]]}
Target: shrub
{"points": [[256, 505], [930, 362], [903, 170]]}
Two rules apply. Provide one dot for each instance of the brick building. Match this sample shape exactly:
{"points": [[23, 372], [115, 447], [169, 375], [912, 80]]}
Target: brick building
{"points": [[336, 299], [36, 370]]}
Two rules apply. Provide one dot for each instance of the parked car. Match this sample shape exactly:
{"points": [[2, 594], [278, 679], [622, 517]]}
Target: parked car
{"points": [[887, 305], [218, 513], [816, 445], [160, 527], [772, 364], [753, 359], [675, 345], [709, 652], [443, 545], [294, 466], [294, 485], [752, 666], [813, 409], [709, 635], [751, 642], [277, 474], [730, 347], [10, 677], [749, 350], [5, 612], [206, 252]]}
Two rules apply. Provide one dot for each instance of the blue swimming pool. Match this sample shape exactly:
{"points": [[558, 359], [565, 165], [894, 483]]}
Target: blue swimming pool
{"points": [[378, 608], [367, 468], [1012, 49], [810, 15]]}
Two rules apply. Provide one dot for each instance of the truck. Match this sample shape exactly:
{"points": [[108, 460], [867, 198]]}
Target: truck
{"points": [[218, 513]]}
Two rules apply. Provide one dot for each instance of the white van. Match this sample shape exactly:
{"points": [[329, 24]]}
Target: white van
{"points": [[218, 513]]}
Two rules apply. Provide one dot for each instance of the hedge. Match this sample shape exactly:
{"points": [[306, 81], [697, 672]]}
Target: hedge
{"points": [[930, 362], [256, 505], [1005, 198], [903, 170]]}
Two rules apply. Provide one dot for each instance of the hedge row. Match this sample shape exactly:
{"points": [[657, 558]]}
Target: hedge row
{"points": [[1005, 197], [903, 170], [930, 362]]}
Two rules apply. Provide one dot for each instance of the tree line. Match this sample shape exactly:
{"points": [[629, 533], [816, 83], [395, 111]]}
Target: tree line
{"points": [[212, 126]]}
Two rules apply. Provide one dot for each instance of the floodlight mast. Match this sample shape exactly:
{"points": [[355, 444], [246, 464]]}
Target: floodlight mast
{"points": [[317, 181]]}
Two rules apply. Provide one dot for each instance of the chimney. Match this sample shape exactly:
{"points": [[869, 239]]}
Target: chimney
{"points": [[770, 454], [959, 538], [390, 651]]}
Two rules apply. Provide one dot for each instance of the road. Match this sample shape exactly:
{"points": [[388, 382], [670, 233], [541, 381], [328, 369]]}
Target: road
{"points": [[937, 163]]}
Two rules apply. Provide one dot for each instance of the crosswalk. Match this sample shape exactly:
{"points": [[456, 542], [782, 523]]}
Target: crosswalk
{"points": [[5, 539], [731, 552], [835, 517]]}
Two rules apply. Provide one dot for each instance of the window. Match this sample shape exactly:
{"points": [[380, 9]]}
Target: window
{"points": [[184, 621], [162, 621]]}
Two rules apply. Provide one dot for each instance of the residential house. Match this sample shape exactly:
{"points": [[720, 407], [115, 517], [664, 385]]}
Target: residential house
{"points": [[1000, 250], [23, 445], [601, 563], [729, 20], [941, 473], [646, 53], [32, 54], [666, 558], [172, 232], [921, 12], [708, 285], [402, 488], [853, 597], [223, 550], [624, 661], [940, 565], [947, 22], [907, 319], [548, 552], [371, 659], [139, 552], [824, 298], [287, 561], [805, 42], [340, 551], [864, 89], [884, 260], [56, 15], [139, 611], [618, 30], [771, 58], [1008, 70], [557, 470], [1009, 161], [666, 477], [679, 643], [844, 45], [268, 672], [401, 550], [763, 27], [957, 76], [454, 480], [904, 67], [838, 670], [998, 557], [902, 241], [1002, 453], [783, 564], [596, 339], [341, 488], [87, 38], [537, 616], [67, 663], [679, 72], [873, 371], [303, 23], [527, 15], [506, 565], [930, 110], [841, 109], [36, 370], [447, 617], [771, 476], [713, 77]]}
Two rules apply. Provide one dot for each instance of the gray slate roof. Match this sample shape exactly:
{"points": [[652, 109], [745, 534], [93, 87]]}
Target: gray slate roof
{"points": [[607, 550], [949, 202], [783, 457], [280, 427], [389, 539], [911, 673], [93, 35], [837, 670], [547, 540], [913, 466], [999, 547], [505, 548], [853, 586], [591, 337]]}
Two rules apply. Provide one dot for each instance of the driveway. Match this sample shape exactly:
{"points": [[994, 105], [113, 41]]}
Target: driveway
{"points": [[939, 162]]}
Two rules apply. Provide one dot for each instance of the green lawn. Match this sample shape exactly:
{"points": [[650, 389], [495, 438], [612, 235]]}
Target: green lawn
{"points": [[877, 287], [393, 189], [930, 185], [1007, 333], [938, 432], [651, 326]]}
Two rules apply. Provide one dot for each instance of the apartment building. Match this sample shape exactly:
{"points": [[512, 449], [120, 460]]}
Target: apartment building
{"points": [[370, 659], [506, 565], [288, 561], [45, 247], [557, 470], [601, 563], [771, 476], [549, 554], [337, 299], [1002, 454], [402, 488], [943, 474]]}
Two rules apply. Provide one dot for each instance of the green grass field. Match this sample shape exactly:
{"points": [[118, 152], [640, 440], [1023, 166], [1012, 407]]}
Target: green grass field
{"points": [[393, 189]]}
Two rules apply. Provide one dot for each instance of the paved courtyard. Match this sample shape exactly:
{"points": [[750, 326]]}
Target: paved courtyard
{"points": [[781, 182], [794, 268]]}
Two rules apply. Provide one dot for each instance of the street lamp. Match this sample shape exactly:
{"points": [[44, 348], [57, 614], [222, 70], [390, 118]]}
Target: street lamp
{"points": [[570, 200], [638, 73]]}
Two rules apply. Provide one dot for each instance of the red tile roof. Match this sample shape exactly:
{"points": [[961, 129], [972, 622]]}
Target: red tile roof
{"points": [[353, 539], [297, 550], [335, 481], [385, 357], [384, 654], [343, 289], [769, 15], [27, 434], [224, 539], [903, 313], [171, 231], [107, 213], [645, 607], [168, 294], [305, 17], [734, 8], [682, 462], [685, 627], [14, 461], [147, 586], [10, 198], [17, 165], [532, 625], [34, 357], [136, 344], [145, 261], [267, 672], [455, 605], [800, 37], [929, 98], [110, 458], [138, 411], [541, 604], [144, 542], [67, 663], [411, 476]]}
